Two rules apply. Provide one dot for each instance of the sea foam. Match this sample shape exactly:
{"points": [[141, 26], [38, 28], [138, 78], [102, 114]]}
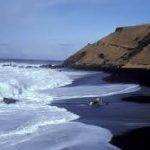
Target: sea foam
{"points": [[91, 91], [73, 135], [25, 83], [32, 123], [32, 111]]}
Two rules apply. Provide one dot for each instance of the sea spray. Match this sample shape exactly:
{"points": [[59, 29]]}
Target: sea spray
{"points": [[32, 123]]}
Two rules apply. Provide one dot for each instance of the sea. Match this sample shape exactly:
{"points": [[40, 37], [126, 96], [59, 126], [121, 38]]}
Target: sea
{"points": [[33, 123]]}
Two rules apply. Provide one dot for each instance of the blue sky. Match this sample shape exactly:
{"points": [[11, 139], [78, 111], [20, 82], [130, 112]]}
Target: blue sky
{"points": [[55, 29]]}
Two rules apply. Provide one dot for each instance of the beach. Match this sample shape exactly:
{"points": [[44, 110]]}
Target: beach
{"points": [[120, 116], [47, 108], [30, 121], [74, 75]]}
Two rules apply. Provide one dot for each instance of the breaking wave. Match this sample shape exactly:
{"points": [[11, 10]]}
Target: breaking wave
{"points": [[32, 123]]}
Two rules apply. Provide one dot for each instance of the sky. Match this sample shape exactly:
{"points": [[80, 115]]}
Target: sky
{"points": [[55, 29]]}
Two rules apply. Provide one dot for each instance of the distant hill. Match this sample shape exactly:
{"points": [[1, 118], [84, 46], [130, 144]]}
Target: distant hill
{"points": [[127, 47]]}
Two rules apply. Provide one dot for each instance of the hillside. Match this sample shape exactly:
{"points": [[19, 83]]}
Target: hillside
{"points": [[127, 47]]}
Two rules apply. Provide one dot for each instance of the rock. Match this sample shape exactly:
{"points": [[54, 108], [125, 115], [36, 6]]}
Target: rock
{"points": [[97, 102], [127, 47], [119, 29], [9, 100], [52, 66], [29, 67], [46, 66]]}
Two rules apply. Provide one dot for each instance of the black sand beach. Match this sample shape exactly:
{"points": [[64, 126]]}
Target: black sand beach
{"points": [[137, 139], [138, 99], [128, 121]]}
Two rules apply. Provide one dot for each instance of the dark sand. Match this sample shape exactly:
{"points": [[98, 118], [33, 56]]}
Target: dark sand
{"points": [[138, 99], [119, 116], [138, 139], [141, 77]]}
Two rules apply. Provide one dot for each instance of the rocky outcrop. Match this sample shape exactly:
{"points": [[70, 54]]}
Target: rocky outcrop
{"points": [[9, 100], [127, 47]]}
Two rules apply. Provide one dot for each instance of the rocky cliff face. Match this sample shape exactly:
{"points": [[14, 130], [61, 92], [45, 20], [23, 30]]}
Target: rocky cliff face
{"points": [[127, 47]]}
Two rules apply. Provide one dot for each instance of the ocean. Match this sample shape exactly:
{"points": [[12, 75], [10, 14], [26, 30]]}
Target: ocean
{"points": [[33, 123]]}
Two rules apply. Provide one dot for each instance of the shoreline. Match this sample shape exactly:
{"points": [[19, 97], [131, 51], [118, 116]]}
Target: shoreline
{"points": [[119, 122], [137, 139], [138, 99], [103, 68], [113, 116], [123, 75]]}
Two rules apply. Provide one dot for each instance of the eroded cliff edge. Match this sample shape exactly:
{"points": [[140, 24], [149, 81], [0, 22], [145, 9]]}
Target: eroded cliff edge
{"points": [[127, 47]]}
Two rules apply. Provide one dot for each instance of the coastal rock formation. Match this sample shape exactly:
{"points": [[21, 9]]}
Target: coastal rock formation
{"points": [[127, 47], [9, 100]]}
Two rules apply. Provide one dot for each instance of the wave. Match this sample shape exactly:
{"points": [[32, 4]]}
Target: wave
{"points": [[18, 65], [72, 135], [26, 83], [32, 111], [29, 63], [36, 117], [91, 91], [31, 122]]}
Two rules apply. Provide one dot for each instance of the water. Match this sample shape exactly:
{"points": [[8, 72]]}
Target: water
{"points": [[32, 123]]}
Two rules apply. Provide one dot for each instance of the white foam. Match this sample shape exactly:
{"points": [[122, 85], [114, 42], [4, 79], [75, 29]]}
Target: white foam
{"points": [[26, 85], [73, 135], [75, 74], [18, 65], [33, 124], [91, 91], [37, 117]]}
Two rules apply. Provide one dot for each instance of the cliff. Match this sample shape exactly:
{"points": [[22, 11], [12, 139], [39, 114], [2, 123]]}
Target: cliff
{"points": [[127, 47]]}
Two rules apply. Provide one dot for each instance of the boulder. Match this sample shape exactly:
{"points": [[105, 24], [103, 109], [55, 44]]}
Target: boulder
{"points": [[97, 102], [9, 100], [46, 66]]}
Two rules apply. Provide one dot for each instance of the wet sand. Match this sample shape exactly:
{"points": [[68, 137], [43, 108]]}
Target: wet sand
{"points": [[138, 76], [123, 118], [138, 99], [137, 139]]}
